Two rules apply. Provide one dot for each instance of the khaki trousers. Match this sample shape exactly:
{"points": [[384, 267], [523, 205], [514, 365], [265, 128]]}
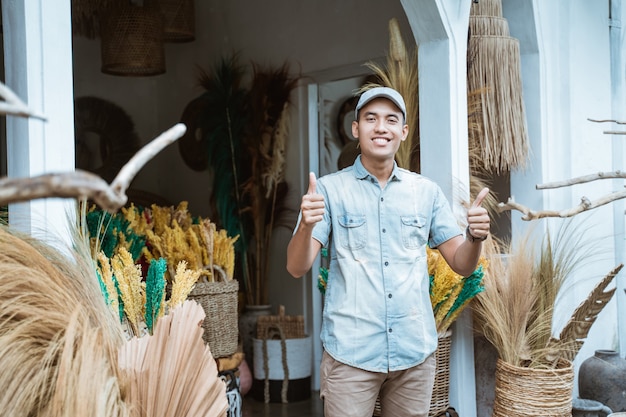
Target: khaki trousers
{"points": [[352, 392]]}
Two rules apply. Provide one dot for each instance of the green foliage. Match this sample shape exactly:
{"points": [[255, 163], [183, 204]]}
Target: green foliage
{"points": [[113, 229], [155, 290]]}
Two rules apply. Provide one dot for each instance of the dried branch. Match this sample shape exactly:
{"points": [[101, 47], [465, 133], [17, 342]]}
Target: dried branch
{"points": [[82, 184], [14, 106], [607, 121], [585, 205], [583, 179]]}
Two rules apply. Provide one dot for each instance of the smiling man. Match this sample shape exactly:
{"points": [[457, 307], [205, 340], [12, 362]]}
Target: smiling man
{"points": [[378, 329]]}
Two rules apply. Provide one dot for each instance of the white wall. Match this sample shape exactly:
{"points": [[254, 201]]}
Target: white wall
{"points": [[566, 81]]}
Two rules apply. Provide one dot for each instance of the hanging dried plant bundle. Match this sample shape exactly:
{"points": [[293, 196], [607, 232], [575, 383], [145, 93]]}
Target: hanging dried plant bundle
{"points": [[487, 8], [400, 73], [172, 372], [494, 69], [515, 311]]}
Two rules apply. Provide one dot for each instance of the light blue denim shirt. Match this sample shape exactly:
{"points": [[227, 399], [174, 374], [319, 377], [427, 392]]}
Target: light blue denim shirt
{"points": [[377, 312]]}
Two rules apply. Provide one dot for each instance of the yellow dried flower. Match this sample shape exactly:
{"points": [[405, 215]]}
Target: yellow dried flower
{"points": [[183, 283], [131, 287]]}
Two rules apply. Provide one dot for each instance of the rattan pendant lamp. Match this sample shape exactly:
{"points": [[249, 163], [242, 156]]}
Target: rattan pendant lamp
{"points": [[494, 72], [178, 20], [132, 39]]}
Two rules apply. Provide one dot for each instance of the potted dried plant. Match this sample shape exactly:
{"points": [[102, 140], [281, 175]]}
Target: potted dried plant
{"points": [[534, 371]]}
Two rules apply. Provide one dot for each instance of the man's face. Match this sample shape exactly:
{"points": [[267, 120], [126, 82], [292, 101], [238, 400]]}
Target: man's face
{"points": [[380, 129]]}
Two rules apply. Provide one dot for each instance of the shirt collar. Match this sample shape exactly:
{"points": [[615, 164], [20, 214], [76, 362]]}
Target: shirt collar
{"points": [[361, 173]]}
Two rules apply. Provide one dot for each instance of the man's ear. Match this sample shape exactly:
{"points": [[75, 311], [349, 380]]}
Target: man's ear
{"points": [[405, 132], [355, 129]]}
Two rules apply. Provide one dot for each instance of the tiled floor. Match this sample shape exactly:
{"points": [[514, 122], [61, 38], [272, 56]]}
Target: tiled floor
{"points": [[308, 408]]}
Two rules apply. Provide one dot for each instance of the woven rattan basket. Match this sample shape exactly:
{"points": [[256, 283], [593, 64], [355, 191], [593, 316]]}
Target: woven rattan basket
{"points": [[178, 20], [132, 41], [440, 399], [219, 301], [526, 392], [292, 326]]}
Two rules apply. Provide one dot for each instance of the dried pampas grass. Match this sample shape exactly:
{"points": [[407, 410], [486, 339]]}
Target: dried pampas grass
{"points": [[53, 324], [401, 73], [521, 287]]}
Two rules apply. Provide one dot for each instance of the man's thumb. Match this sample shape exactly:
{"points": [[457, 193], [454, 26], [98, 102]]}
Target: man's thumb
{"points": [[480, 197], [312, 183]]}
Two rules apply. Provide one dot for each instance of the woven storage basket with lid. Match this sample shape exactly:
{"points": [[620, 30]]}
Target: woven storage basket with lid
{"points": [[219, 301]]}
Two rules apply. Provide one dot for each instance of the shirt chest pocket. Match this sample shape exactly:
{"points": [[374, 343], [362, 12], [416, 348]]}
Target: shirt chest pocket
{"points": [[414, 232], [353, 231]]}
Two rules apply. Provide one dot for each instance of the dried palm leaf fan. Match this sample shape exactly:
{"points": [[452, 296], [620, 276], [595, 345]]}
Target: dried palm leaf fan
{"points": [[178, 20], [132, 39], [400, 73], [494, 70]]}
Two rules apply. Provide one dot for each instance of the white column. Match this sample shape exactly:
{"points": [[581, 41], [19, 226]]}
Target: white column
{"points": [[618, 107], [38, 61], [440, 28]]}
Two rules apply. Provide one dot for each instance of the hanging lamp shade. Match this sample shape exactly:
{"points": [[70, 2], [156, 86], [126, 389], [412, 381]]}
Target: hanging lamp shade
{"points": [[132, 41], [494, 72], [179, 22]]}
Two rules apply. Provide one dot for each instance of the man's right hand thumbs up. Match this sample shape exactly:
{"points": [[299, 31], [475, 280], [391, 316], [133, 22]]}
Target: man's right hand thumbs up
{"points": [[312, 183], [312, 203]]}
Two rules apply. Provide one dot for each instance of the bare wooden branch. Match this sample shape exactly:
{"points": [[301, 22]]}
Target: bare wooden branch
{"points": [[606, 121], [82, 184], [14, 106], [585, 205], [582, 179]]}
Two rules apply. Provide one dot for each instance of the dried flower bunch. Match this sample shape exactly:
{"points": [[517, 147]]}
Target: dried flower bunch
{"points": [[515, 310], [158, 232], [139, 302], [450, 292], [246, 131]]}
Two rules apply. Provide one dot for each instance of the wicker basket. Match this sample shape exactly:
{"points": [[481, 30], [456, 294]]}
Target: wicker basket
{"points": [[219, 301], [292, 326], [526, 392], [179, 20], [132, 41], [440, 399]]}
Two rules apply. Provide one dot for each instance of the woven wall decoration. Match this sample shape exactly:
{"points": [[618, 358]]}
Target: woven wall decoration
{"points": [[494, 72]]}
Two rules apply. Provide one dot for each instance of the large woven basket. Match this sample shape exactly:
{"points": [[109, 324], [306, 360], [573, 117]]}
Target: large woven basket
{"points": [[440, 399], [526, 392], [292, 327], [219, 301]]}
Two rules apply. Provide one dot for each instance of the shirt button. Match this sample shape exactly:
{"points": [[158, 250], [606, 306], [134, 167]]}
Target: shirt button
{"points": [[382, 199], [390, 296], [386, 263], [384, 230], [390, 330]]}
